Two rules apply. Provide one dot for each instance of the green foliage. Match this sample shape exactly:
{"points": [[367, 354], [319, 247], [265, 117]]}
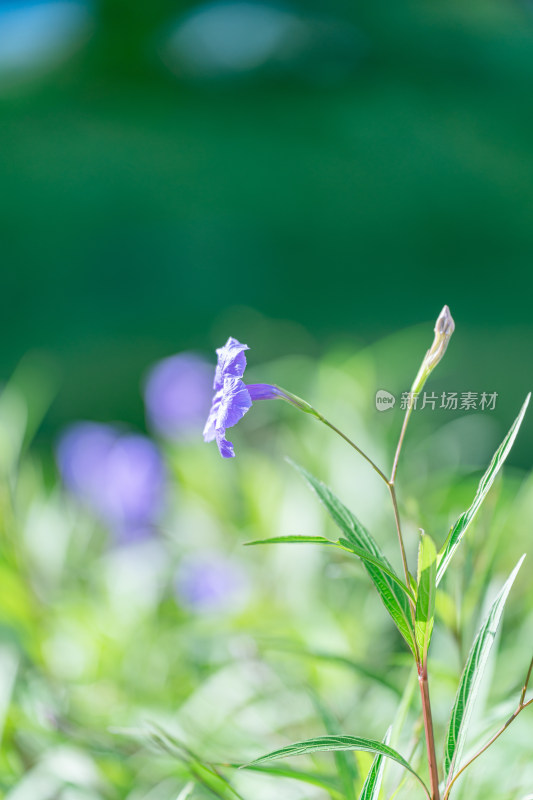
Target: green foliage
{"points": [[334, 787], [471, 679], [111, 685], [344, 762], [344, 544], [394, 595], [372, 784], [425, 599], [463, 523], [329, 744]]}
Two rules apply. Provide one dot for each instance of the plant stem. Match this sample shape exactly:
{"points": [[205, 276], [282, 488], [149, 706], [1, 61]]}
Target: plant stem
{"points": [[352, 444], [304, 406], [504, 727], [521, 705], [400, 441], [390, 486], [421, 667], [428, 728], [524, 688], [392, 491]]}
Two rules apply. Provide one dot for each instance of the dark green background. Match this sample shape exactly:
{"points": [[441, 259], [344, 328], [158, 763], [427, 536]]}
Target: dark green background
{"points": [[136, 209]]}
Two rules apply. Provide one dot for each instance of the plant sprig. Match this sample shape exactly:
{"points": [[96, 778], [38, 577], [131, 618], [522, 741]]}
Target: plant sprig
{"points": [[410, 602]]}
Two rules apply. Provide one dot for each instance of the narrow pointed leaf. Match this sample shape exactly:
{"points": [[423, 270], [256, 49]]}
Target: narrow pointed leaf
{"points": [[413, 585], [343, 544], [327, 744], [372, 784], [459, 529], [427, 589], [186, 791], [368, 671], [344, 761], [471, 679], [380, 563], [292, 540], [330, 784], [393, 596], [201, 773]]}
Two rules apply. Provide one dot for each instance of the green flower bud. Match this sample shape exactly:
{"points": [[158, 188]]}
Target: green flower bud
{"points": [[444, 327]]}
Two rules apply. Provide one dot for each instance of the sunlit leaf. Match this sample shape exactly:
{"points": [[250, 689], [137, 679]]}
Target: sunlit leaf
{"points": [[413, 585], [186, 791], [345, 762], [343, 544], [293, 540], [201, 772], [372, 784], [461, 526], [471, 679], [393, 595], [368, 671], [326, 744], [425, 603], [329, 783]]}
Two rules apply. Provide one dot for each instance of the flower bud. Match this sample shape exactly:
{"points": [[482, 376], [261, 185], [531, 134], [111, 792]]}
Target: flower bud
{"points": [[444, 327]]}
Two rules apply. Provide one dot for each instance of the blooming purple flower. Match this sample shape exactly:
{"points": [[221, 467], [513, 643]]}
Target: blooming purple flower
{"points": [[177, 395], [233, 398], [121, 477]]}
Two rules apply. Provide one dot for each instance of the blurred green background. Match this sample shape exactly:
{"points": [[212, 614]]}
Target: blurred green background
{"points": [[109, 645], [350, 174], [316, 179]]}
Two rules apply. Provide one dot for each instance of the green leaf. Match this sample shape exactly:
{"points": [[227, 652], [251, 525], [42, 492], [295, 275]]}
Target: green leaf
{"points": [[323, 744], [461, 526], [380, 563], [292, 540], [471, 679], [427, 588], [343, 544], [201, 772], [372, 784], [186, 791], [345, 762], [391, 590], [413, 585], [369, 671], [330, 784]]}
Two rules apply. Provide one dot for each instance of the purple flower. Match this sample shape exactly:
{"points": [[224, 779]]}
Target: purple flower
{"points": [[233, 398], [177, 395], [210, 583], [121, 477]]}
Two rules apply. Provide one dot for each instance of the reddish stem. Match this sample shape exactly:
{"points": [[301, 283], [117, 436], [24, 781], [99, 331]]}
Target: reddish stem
{"points": [[428, 728]]}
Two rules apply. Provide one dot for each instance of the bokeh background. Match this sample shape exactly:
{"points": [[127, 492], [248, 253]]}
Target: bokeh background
{"points": [[316, 179], [171, 170]]}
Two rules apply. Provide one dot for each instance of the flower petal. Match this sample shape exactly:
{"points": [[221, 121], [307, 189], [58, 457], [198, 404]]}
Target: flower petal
{"points": [[263, 391], [234, 403], [210, 425], [225, 447], [231, 362]]}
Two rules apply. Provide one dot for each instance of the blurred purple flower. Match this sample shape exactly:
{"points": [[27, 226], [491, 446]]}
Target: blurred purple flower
{"points": [[210, 583], [233, 398], [177, 395], [121, 477]]}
